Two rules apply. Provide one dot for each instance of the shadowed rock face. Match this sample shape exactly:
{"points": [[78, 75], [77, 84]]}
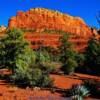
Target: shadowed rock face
{"points": [[40, 18]]}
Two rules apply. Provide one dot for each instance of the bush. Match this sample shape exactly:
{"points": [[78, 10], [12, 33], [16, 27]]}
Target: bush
{"points": [[49, 67], [70, 66], [12, 45], [32, 77], [39, 78], [30, 73], [92, 56], [53, 53], [80, 58], [93, 86], [43, 60], [68, 56], [77, 92], [46, 81], [26, 65]]}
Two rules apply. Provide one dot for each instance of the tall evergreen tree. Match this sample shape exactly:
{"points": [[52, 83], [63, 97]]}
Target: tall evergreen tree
{"points": [[16, 54], [93, 56], [67, 55], [12, 45]]}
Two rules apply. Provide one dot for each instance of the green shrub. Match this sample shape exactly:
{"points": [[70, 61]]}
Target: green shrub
{"points": [[45, 81], [53, 53], [43, 60], [28, 68], [32, 77], [93, 86], [30, 73], [80, 58], [11, 46], [68, 56], [92, 56], [49, 67], [77, 92], [70, 66]]}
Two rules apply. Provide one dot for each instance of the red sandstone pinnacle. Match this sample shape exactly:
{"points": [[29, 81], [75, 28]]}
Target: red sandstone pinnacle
{"points": [[40, 18]]}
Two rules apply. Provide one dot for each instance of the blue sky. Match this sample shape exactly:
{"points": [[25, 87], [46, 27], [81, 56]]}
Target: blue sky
{"points": [[86, 9]]}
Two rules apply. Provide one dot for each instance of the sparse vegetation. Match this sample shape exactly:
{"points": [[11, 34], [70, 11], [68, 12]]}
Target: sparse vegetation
{"points": [[27, 66], [54, 31], [67, 55], [93, 86], [12, 45], [78, 92], [92, 56]]}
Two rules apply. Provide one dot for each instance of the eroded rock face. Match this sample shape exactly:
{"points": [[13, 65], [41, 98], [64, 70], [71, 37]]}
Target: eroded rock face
{"points": [[40, 18], [2, 28]]}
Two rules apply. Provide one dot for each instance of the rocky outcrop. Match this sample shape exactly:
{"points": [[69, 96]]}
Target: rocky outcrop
{"points": [[40, 18], [2, 28]]}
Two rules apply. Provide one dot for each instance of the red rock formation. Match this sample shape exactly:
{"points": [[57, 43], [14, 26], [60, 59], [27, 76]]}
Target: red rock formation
{"points": [[53, 40], [40, 19], [2, 30]]}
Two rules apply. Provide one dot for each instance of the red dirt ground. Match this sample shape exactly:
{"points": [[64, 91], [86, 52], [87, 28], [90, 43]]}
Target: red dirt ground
{"points": [[10, 92]]}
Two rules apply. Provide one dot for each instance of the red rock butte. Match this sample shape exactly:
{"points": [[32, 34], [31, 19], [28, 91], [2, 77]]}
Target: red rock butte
{"points": [[41, 19]]}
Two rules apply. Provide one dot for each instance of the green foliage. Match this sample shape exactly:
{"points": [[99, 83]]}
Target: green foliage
{"points": [[78, 92], [64, 48], [43, 55], [45, 81], [49, 67], [93, 56], [32, 76], [43, 60], [23, 63], [11, 45], [80, 59], [34, 72], [70, 66], [93, 86], [53, 54], [26, 65], [68, 56]]}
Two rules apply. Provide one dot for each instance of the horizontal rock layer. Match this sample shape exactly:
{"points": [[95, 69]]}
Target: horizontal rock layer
{"points": [[40, 18]]}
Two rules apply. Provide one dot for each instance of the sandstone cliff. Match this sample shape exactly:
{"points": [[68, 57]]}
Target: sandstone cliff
{"points": [[40, 18], [2, 28]]}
